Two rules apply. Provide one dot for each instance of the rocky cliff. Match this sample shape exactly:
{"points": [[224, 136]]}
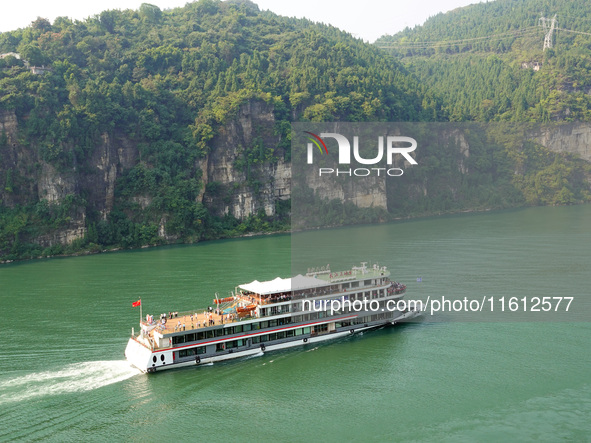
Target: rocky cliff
{"points": [[572, 138], [244, 173], [28, 179]]}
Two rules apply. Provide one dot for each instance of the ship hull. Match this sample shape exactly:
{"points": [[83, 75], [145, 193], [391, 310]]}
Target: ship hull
{"points": [[143, 358]]}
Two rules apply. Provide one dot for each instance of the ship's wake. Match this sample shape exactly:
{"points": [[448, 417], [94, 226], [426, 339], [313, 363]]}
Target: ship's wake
{"points": [[258, 354], [77, 377]]}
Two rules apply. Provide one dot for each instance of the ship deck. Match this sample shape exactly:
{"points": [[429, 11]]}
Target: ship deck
{"points": [[199, 319], [187, 322]]}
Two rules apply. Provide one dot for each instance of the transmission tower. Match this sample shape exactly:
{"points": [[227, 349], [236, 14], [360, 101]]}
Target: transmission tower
{"points": [[548, 24]]}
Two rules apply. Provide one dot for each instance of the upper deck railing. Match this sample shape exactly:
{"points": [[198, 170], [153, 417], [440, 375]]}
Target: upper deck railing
{"points": [[200, 319]]}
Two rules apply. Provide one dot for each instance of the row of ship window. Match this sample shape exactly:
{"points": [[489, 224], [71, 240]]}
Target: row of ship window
{"points": [[278, 335], [247, 327], [283, 309]]}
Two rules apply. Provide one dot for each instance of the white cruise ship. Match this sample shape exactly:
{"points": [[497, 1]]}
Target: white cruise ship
{"points": [[270, 315]]}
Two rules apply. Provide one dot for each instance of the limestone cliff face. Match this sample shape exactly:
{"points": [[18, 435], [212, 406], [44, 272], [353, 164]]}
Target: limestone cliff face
{"points": [[108, 161], [574, 138], [240, 176], [14, 164], [237, 180], [232, 187], [364, 192], [8, 126], [32, 179], [96, 183]]}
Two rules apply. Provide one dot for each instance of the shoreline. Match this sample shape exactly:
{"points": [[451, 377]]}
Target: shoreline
{"points": [[85, 252]]}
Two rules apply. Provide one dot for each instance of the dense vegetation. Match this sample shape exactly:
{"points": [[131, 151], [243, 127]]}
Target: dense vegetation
{"points": [[480, 61], [166, 81], [474, 59]]}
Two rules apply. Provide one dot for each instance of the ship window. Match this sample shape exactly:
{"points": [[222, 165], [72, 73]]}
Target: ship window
{"points": [[189, 352], [218, 332], [200, 350], [264, 338], [209, 334], [178, 339], [246, 327], [231, 344], [200, 335], [264, 324], [240, 342], [272, 337], [256, 340], [281, 335], [229, 331], [237, 329], [355, 284], [298, 331], [272, 323], [367, 283], [306, 330], [289, 333], [190, 337]]}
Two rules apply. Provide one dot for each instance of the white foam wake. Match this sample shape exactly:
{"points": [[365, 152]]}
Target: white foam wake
{"points": [[77, 377], [258, 354]]}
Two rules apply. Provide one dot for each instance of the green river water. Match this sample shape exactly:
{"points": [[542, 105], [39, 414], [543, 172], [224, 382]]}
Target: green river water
{"points": [[65, 323]]}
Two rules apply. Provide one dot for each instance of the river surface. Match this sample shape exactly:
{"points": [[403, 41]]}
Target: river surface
{"points": [[65, 323]]}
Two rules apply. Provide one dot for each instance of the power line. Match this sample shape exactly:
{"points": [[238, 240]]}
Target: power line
{"points": [[548, 24], [575, 32], [472, 38], [432, 44]]}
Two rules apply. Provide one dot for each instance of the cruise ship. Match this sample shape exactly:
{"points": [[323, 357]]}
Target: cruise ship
{"points": [[265, 316]]}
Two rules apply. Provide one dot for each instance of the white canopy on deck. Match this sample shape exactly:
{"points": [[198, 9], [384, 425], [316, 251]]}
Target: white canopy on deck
{"points": [[278, 285]]}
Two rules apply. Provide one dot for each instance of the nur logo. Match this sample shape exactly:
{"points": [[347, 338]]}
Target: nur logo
{"points": [[394, 145]]}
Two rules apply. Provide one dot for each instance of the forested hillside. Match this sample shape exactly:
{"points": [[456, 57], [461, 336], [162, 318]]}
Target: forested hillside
{"points": [[154, 88], [487, 63], [146, 127], [487, 60]]}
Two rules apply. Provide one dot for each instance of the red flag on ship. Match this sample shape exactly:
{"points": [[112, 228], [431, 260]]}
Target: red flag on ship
{"points": [[135, 304]]}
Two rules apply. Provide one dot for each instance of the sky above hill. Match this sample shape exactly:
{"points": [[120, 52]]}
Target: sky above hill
{"points": [[366, 19]]}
